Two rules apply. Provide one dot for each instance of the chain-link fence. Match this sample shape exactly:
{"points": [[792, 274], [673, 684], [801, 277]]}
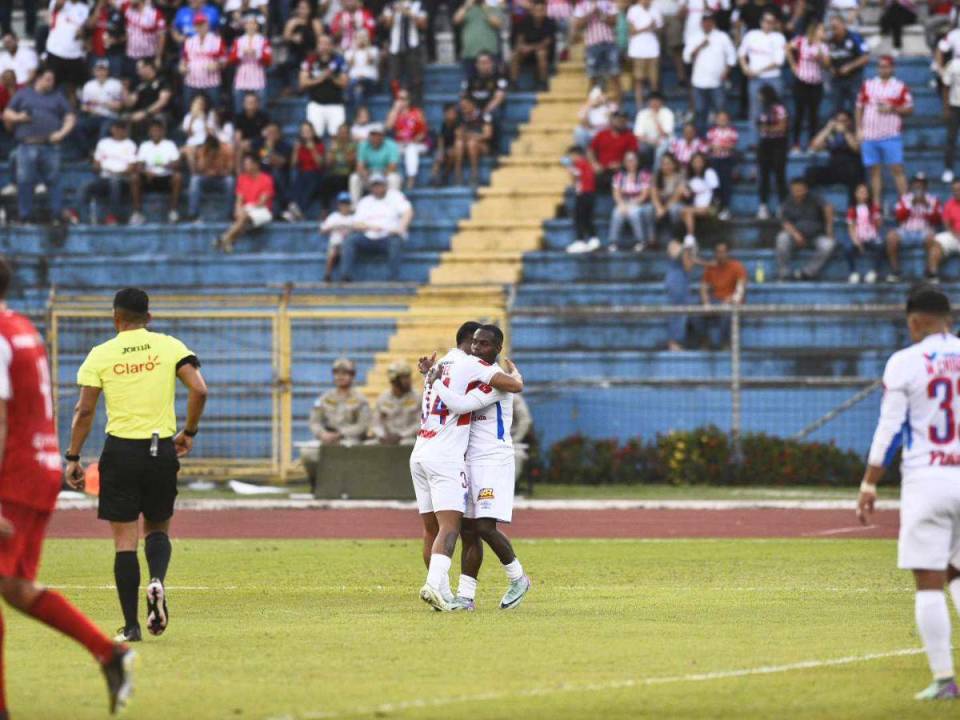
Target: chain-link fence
{"points": [[790, 371]]}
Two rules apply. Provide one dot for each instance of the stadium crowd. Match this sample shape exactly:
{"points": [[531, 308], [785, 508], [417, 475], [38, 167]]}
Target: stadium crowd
{"points": [[171, 96]]}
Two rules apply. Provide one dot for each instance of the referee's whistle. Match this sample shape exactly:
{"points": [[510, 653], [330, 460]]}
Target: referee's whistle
{"points": [[154, 444]]}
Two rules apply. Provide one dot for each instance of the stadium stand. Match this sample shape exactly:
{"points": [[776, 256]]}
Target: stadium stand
{"points": [[498, 248]]}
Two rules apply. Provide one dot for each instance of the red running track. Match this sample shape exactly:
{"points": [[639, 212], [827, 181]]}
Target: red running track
{"points": [[389, 524]]}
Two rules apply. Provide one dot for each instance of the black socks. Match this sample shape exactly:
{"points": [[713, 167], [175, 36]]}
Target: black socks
{"points": [[157, 548], [126, 573]]}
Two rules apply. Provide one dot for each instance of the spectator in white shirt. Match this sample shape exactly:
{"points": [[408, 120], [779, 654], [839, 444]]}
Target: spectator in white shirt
{"points": [[363, 69], [712, 55], [654, 128], [644, 21], [381, 223], [19, 58], [951, 80], [702, 185], [66, 50], [762, 55], [336, 226], [158, 170], [594, 116], [100, 103], [115, 162]]}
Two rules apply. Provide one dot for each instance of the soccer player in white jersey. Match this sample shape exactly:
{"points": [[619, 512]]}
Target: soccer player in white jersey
{"points": [[437, 464], [490, 472], [919, 416]]}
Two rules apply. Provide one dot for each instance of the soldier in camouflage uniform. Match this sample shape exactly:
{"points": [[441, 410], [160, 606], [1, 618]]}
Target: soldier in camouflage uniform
{"points": [[396, 415], [341, 416]]}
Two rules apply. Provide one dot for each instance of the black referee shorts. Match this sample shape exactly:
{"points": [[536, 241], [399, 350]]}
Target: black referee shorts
{"points": [[133, 482]]}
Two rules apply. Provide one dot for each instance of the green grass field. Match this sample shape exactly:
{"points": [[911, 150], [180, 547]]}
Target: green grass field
{"points": [[331, 629]]}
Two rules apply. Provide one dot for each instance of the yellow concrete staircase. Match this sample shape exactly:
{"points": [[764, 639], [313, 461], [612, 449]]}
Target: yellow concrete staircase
{"points": [[486, 253]]}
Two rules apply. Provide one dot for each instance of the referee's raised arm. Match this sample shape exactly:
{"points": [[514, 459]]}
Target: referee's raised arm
{"points": [[137, 371]]}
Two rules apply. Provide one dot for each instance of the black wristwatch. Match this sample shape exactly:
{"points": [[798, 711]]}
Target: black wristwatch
{"points": [[71, 458], [190, 433]]}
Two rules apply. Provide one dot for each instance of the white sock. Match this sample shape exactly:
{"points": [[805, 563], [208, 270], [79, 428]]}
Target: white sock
{"points": [[955, 593], [514, 570], [439, 569], [933, 622], [467, 587], [445, 586]]}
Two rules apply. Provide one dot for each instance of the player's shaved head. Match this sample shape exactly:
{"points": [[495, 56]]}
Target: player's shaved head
{"points": [[6, 275], [466, 331], [928, 311]]}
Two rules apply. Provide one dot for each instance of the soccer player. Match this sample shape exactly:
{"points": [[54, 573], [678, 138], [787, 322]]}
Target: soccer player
{"points": [[137, 372], [29, 485], [437, 463], [921, 405], [490, 471]]}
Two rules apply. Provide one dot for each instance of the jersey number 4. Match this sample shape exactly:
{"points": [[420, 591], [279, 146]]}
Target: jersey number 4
{"points": [[942, 389]]}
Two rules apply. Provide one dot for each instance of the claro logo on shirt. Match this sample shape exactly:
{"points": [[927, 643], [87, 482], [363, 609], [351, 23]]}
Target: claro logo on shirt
{"points": [[151, 364]]}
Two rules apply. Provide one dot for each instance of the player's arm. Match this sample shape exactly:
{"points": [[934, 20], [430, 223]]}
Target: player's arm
{"points": [[83, 415], [477, 398], [886, 440], [189, 375]]}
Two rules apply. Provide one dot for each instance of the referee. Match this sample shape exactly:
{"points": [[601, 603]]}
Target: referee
{"points": [[137, 372]]}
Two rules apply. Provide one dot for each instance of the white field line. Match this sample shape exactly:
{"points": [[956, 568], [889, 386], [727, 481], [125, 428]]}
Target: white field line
{"points": [[626, 684], [520, 504], [552, 588]]}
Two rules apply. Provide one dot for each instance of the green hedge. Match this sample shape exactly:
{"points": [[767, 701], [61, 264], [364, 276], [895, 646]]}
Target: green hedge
{"points": [[695, 457]]}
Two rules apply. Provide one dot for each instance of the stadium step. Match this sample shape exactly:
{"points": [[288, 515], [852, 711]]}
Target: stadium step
{"points": [[505, 222]]}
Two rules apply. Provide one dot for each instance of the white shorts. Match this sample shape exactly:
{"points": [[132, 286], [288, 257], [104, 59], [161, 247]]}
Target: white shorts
{"points": [[929, 523], [258, 216], [326, 119], [439, 486], [491, 491], [948, 241]]}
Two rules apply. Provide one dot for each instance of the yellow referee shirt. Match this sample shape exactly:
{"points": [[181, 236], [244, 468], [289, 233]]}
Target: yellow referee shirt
{"points": [[137, 371]]}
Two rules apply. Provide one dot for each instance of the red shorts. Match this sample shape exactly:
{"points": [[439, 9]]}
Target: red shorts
{"points": [[20, 554]]}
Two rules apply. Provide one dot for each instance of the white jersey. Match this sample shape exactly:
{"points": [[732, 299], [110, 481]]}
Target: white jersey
{"points": [[921, 407], [444, 434], [491, 422]]}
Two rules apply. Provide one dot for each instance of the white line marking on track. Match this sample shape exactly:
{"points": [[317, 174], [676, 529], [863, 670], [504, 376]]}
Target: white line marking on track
{"points": [[839, 531], [387, 708]]}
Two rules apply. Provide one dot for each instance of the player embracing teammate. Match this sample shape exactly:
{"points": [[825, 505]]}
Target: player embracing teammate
{"points": [[463, 465]]}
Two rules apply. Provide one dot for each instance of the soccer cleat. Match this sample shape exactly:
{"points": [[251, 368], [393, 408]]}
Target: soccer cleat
{"points": [[463, 604], [118, 671], [515, 593], [433, 597], [939, 690], [157, 617], [131, 634]]}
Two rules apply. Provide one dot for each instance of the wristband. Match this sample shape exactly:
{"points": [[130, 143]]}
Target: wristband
{"points": [[71, 458], [866, 487], [190, 433]]}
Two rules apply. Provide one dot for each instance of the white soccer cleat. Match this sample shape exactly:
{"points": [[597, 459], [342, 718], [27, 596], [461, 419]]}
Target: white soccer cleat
{"points": [[157, 616], [434, 598]]}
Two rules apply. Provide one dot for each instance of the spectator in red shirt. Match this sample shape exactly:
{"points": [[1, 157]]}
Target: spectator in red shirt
{"points": [[608, 147], [585, 187], [409, 127], [254, 205], [947, 242], [307, 160]]}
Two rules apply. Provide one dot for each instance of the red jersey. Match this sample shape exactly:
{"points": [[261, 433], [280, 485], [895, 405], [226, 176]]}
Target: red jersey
{"points": [[586, 178], [251, 188], [951, 216], [30, 473], [609, 146]]}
